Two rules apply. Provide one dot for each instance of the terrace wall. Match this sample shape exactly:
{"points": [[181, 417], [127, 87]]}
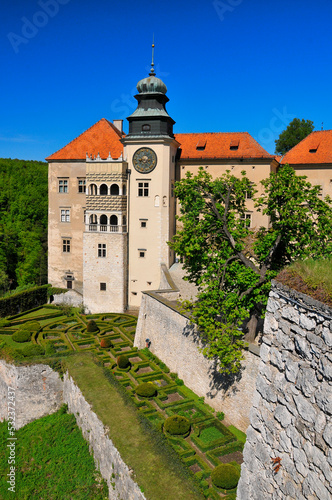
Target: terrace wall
{"points": [[291, 417]]}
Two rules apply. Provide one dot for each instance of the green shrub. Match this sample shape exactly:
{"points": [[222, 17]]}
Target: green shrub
{"points": [[4, 323], [105, 343], [123, 361], [21, 336], [31, 326], [49, 348], [92, 327], [23, 301], [177, 425], [225, 476], [32, 350], [220, 415], [146, 390]]}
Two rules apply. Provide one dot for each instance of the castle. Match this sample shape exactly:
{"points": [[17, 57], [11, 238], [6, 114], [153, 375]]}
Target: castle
{"points": [[111, 198]]}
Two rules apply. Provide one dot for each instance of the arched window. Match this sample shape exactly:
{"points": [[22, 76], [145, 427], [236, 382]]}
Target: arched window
{"points": [[93, 219], [93, 189], [103, 190], [114, 220], [124, 189], [114, 189], [103, 222], [156, 201]]}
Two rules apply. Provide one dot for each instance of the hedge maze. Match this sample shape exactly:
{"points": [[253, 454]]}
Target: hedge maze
{"points": [[158, 394]]}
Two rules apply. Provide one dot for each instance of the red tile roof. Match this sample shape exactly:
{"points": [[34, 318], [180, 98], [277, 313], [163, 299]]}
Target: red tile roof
{"points": [[103, 137], [320, 144], [220, 145]]}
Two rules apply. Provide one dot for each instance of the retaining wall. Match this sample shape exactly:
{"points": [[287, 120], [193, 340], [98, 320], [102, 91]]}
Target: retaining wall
{"points": [[291, 418]]}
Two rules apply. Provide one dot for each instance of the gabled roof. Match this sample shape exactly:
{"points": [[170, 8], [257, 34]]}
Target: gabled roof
{"points": [[224, 145], [315, 148], [103, 138]]}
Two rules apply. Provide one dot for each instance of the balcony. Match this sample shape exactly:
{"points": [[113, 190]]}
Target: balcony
{"points": [[105, 228]]}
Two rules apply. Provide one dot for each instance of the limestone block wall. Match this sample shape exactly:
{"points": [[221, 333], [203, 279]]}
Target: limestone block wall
{"points": [[174, 340], [291, 418], [38, 392], [109, 461]]}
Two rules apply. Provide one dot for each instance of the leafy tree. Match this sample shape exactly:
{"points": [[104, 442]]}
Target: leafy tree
{"points": [[233, 265], [296, 131]]}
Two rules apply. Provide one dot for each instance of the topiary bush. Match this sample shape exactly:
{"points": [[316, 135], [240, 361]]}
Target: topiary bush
{"points": [[21, 336], [225, 476], [31, 326], [32, 350], [92, 327], [146, 390], [122, 361], [177, 425], [105, 343]]}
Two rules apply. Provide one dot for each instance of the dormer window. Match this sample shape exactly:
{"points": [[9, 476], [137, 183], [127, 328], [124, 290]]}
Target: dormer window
{"points": [[200, 146], [234, 145], [313, 148]]}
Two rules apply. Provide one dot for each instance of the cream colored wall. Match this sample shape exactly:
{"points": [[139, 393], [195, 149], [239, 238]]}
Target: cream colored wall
{"points": [[58, 261], [254, 170], [144, 273], [111, 270], [317, 175]]}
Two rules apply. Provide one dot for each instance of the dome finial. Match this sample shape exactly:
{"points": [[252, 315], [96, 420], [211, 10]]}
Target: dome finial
{"points": [[152, 72]]}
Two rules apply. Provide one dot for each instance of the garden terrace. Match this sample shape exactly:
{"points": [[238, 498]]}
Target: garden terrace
{"points": [[209, 442]]}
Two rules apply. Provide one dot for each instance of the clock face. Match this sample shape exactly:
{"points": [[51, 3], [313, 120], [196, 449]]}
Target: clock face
{"points": [[144, 160]]}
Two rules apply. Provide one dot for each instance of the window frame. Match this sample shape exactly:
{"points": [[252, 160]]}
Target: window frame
{"points": [[81, 185], [102, 250], [143, 189], [66, 245], [63, 186], [102, 287], [65, 215]]}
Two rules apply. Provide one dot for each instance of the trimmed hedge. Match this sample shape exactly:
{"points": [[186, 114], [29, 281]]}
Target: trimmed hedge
{"points": [[21, 336], [32, 350], [92, 327], [105, 343], [225, 476], [32, 326], [146, 390], [122, 361], [177, 425], [23, 301]]}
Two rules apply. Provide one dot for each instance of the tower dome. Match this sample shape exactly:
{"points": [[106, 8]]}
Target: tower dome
{"points": [[151, 85]]}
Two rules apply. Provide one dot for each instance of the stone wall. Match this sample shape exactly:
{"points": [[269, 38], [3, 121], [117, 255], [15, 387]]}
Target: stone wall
{"points": [[174, 340], [111, 466], [291, 415], [38, 392]]}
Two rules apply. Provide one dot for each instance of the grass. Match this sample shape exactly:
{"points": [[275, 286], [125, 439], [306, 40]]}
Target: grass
{"points": [[210, 434], [9, 341], [158, 474], [52, 462], [315, 273], [241, 436]]}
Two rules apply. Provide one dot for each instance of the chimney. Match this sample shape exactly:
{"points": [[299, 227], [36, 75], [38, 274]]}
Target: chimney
{"points": [[118, 124]]}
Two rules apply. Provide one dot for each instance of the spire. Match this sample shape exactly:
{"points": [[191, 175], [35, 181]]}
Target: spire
{"points": [[152, 72]]}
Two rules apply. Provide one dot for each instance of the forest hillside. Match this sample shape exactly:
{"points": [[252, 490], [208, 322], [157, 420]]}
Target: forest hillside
{"points": [[23, 223]]}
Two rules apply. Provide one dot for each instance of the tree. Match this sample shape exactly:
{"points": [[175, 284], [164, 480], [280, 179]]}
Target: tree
{"points": [[296, 131], [233, 265]]}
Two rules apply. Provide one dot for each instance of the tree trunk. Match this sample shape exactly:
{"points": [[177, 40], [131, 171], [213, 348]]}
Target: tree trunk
{"points": [[252, 328]]}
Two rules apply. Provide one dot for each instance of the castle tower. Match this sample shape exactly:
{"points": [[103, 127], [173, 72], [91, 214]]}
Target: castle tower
{"points": [[105, 235], [150, 148]]}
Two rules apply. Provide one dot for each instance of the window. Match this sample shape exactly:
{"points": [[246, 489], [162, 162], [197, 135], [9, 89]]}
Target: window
{"points": [[247, 219], [81, 185], [143, 189], [141, 253], [65, 215], [146, 128], [69, 285], [103, 190], [63, 186], [115, 190], [103, 287], [101, 250], [66, 246], [143, 223], [249, 193]]}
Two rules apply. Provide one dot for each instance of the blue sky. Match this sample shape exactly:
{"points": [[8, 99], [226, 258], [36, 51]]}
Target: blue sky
{"points": [[229, 65]]}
